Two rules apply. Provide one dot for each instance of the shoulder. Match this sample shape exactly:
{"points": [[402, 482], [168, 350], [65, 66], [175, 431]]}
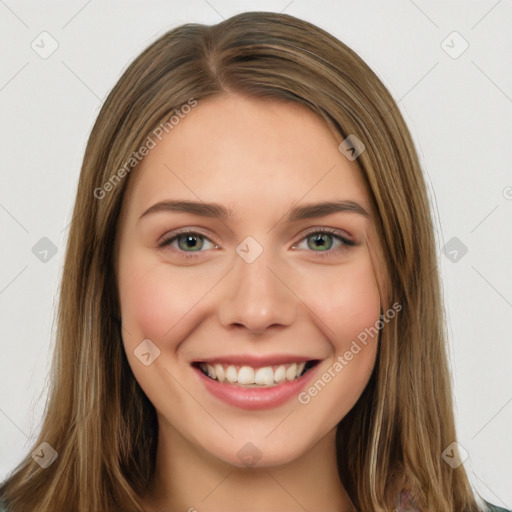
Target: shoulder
{"points": [[493, 508], [405, 502]]}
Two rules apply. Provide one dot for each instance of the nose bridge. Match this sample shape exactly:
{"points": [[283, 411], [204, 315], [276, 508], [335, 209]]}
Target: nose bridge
{"points": [[256, 296]]}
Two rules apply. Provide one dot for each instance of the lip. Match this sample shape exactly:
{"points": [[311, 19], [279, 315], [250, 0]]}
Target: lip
{"points": [[256, 361], [254, 399]]}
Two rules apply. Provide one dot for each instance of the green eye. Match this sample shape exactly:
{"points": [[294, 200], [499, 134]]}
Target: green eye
{"points": [[190, 241], [319, 241], [326, 240]]}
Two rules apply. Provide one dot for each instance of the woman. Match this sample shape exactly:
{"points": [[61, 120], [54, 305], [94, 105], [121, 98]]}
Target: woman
{"points": [[250, 316]]}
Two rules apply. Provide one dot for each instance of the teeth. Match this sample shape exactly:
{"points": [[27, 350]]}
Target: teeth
{"points": [[219, 372], [291, 372], [264, 376], [280, 374], [211, 371], [231, 374], [248, 376]]}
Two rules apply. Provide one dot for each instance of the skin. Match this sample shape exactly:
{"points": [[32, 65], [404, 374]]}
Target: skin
{"points": [[259, 158]]}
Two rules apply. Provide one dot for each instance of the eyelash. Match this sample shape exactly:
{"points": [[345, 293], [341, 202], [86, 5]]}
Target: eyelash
{"points": [[346, 243]]}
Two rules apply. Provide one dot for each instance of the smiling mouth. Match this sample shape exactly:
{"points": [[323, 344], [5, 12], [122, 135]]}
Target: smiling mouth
{"points": [[251, 377]]}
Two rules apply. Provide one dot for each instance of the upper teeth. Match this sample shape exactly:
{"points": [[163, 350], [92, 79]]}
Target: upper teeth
{"points": [[246, 375]]}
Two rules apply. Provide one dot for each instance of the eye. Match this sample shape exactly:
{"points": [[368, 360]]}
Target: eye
{"points": [[322, 240], [188, 241]]}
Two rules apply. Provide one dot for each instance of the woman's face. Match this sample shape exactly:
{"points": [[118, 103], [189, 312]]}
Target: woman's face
{"points": [[249, 285]]}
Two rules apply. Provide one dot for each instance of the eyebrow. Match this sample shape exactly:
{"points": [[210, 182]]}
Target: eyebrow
{"points": [[218, 211]]}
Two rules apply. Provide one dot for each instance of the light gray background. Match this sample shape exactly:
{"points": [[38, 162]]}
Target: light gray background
{"points": [[459, 111]]}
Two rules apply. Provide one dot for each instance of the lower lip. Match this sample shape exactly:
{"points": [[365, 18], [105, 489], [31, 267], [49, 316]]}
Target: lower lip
{"points": [[256, 398]]}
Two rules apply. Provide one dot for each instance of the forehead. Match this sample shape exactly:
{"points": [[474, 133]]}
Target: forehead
{"points": [[242, 151]]}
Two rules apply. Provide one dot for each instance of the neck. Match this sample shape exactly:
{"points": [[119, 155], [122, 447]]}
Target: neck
{"points": [[187, 479]]}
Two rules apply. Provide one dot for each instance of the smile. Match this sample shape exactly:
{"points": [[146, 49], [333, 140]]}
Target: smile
{"points": [[254, 377], [255, 383]]}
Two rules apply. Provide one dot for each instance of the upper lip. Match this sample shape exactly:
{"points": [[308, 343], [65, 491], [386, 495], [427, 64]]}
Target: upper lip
{"points": [[255, 360]]}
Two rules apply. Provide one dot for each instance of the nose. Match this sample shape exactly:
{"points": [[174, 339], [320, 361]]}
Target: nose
{"points": [[257, 296]]}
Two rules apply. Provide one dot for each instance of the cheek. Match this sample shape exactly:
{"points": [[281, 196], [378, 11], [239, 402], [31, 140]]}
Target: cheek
{"points": [[347, 302], [155, 301], [349, 309]]}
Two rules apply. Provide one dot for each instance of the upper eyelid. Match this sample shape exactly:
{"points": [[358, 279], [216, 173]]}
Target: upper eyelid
{"points": [[335, 232]]}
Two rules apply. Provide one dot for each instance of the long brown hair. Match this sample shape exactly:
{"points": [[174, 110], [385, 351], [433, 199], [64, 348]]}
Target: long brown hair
{"points": [[97, 418]]}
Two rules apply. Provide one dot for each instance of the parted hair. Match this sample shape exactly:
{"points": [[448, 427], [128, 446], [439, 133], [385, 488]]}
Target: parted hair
{"points": [[98, 419]]}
